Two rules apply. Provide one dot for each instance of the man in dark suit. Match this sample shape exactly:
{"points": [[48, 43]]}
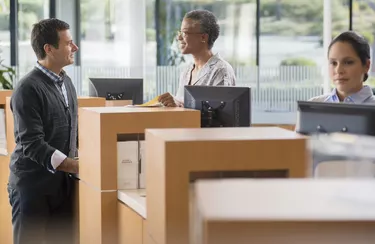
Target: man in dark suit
{"points": [[44, 106]]}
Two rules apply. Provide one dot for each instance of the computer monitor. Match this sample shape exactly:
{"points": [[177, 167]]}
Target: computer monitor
{"points": [[322, 117], [220, 106], [117, 89]]}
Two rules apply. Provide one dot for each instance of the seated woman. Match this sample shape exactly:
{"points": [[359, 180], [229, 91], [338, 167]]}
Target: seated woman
{"points": [[349, 63], [199, 31]]}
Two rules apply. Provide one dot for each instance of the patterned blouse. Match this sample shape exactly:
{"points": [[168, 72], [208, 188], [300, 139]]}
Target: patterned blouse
{"points": [[216, 72]]}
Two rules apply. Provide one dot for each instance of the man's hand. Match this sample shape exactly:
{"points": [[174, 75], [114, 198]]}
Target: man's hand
{"points": [[69, 165], [167, 100]]}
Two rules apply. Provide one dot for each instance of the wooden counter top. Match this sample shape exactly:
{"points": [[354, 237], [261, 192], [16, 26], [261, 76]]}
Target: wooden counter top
{"points": [[177, 157], [289, 211], [291, 199], [135, 199], [226, 134], [100, 128], [109, 110]]}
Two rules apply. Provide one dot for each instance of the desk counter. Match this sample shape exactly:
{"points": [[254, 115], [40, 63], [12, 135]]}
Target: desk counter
{"points": [[134, 199], [285, 211]]}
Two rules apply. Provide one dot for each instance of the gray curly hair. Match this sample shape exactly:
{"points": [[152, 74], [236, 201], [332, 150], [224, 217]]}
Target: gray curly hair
{"points": [[208, 24]]}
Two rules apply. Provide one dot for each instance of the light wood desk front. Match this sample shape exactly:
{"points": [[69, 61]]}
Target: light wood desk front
{"points": [[175, 157], [290, 127], [99, 131], [5, 209], [294, 211], [132, 216], [91, 102]]}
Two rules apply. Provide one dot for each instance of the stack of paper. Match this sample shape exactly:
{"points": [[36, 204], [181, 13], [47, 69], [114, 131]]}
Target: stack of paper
{"points": [[153, 103]]}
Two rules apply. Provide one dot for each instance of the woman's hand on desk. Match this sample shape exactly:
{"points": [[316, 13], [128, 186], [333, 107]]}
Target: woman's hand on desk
{"points": [[167, 100], [69, 165]]}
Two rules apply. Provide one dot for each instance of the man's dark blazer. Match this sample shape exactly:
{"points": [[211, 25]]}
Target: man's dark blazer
{"points": [[42, 123]]}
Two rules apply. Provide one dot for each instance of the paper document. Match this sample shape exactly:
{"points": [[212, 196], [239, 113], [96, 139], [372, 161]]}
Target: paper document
{"points": [[152, 103]]}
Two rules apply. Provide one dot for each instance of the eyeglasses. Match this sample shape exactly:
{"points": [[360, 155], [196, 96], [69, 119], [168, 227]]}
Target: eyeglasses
{"points": [[185, 33]]}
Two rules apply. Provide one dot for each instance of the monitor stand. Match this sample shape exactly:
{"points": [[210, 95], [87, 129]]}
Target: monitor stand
{"points": [[210, 115]]}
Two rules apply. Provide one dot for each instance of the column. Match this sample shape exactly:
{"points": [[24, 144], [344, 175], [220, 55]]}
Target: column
{"points": [[130, 37], [327, 37]]}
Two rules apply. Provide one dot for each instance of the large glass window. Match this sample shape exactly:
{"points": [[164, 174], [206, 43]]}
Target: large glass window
{"points": [[364, 23], [98, 32], [150, 52], [4, 32], [292, 57], [112, 39], [125, 39], [236, 43], [29, 12], [237, 20]]}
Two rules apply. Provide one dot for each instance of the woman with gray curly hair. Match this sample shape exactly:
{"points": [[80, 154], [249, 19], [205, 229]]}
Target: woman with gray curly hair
{"points": [[199, 31]]}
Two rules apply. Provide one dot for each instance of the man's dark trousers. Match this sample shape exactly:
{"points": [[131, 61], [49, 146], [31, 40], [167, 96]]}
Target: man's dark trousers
{"points": [[41, 219]]}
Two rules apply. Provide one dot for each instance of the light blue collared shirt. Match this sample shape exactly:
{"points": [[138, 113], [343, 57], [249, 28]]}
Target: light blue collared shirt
{"points": [[365, 95]]}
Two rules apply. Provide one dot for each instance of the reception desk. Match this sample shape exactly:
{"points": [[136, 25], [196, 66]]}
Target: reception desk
{"points": [[284, 126], [101, 213], [91, 102], [175, 158], [296, 211], [5, 209], [132, 217]]}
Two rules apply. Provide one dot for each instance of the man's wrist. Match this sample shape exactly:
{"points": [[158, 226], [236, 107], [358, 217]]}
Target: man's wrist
{"points": [[68, 165]]}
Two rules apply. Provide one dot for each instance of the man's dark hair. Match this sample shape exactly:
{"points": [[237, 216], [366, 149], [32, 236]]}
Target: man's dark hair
{"points": [[208, 24], [46, 32]]}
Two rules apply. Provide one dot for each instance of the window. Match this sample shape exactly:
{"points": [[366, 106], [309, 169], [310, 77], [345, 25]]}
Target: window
{"points": [[237, 20], [4, 32], [112, 39], [292, 57], [364, 23], [29, 13], [236, 42]]}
